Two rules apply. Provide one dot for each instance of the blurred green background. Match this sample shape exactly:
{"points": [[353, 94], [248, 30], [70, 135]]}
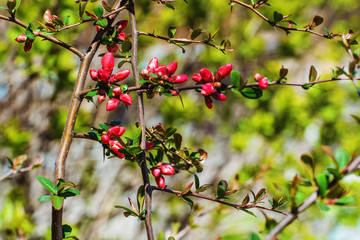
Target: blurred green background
{"points": [[251, 143]]}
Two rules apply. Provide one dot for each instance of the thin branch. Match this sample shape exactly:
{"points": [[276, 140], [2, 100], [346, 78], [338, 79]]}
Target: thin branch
{"points": [[286, 29], [236, 206], [182, 40], [140, 104], [50, 38]]}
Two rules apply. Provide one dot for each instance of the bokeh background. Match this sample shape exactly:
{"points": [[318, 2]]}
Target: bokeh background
{"points": [[251, 143]]}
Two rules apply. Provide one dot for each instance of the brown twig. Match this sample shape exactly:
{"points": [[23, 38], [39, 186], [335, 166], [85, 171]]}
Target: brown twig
{"points": [[237, 206], [49, 38], [286, 29], [140, 104]]}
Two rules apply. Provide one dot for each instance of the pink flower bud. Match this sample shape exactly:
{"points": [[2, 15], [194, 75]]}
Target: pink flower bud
{"points": [[94, 74], [209, 102], [156, 172], [121, 25], [153, 64], [117, 91], [103, 75], [257, 77], [207, 89], [144, 74], [28, 46], [161, 70], [173, 92], [120, 75], [115, 146], [172, 68], [206, 75], [101, 98], [148, 145], [223, 72], [112, 49], [181, 78], [219, 96], [112, 104], [197, 77], [122, 36], [160, 181], [263, 83], [126, 99], [98, 28], [21, 39], [107, 62], [116, 131], [167, 169], [105, 139]]}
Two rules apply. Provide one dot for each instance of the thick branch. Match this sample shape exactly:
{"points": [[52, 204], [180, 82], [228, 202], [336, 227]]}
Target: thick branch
{"points": [[139, 97]]}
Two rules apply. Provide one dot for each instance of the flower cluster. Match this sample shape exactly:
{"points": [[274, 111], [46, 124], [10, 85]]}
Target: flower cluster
{"points": [[109, 138], [263, 81], [117, 36], [162, 74], [160, 170], [23, 39], [211, 85], [105, 78], [51, 21]]}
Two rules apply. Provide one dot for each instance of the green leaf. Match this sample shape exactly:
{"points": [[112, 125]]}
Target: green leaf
{"points": [[107, 7], [260, 195], [308, 161], [66, 231], [91, 93], [169, 5], [102, 23], [305, 86], [323, 207], [137, 137], [178, 140], [204, 187], [357, 119], [169, 132], [57, 202], [346, 200], [47, 184], [128, 210], [171, 32], [140, 197], [99, 11], [277, 17], [251, 93], [44, 198], [126, 46], [235, 78], [69, 193], [248, 212], [195, 33], [254, 236], [221, 189], [322, 182], [189, 201], [342, 158], [29, 34], [103, 126], [81, 9], [312, 74], [197, 182], [121, 63], [66, 19]]}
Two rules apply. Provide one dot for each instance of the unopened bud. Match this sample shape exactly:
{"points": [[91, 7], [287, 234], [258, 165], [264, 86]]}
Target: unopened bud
{"points": [[112, 104]]}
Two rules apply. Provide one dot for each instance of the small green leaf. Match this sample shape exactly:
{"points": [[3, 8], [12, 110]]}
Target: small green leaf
{"points": [[308, 161], [254, 236], [57, 202], [346, 200], [103, 126], [322, 182], [189, 201], [197, 182], [248, 212], [29, 34], [277, 17], [312, 74], [195, 33], [91, 93], [323, 207], [137, 137], [66, 231], [102, 23], [66, 19], [69, 193], [169, 5], [305, 86], [342, 158], [169, 132], [126, 46], [128, 211], [221, 189], [178, 140], [44, 198], [99, 11], [251, 93], [235, 78], [140, 197], [171, 32], [204, 187], [47, 184], [260, 195]]}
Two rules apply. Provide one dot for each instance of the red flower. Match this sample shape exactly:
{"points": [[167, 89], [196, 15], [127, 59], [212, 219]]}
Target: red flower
{"points": [[156, 172], [115, 146], [263, 83], [223, 72], [209, 102], [160, 181], [107, 62], [153, 64], [197, 77], [126, 99], [120, 75], [116, 131], [172, 68], [206, 75], [167, 169], [121, 25], [207, 89], [112, 104], [122, 36], [181, 78], [257, 77], [94, 74], [21, 39], [105, 139], [103, 74]]}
